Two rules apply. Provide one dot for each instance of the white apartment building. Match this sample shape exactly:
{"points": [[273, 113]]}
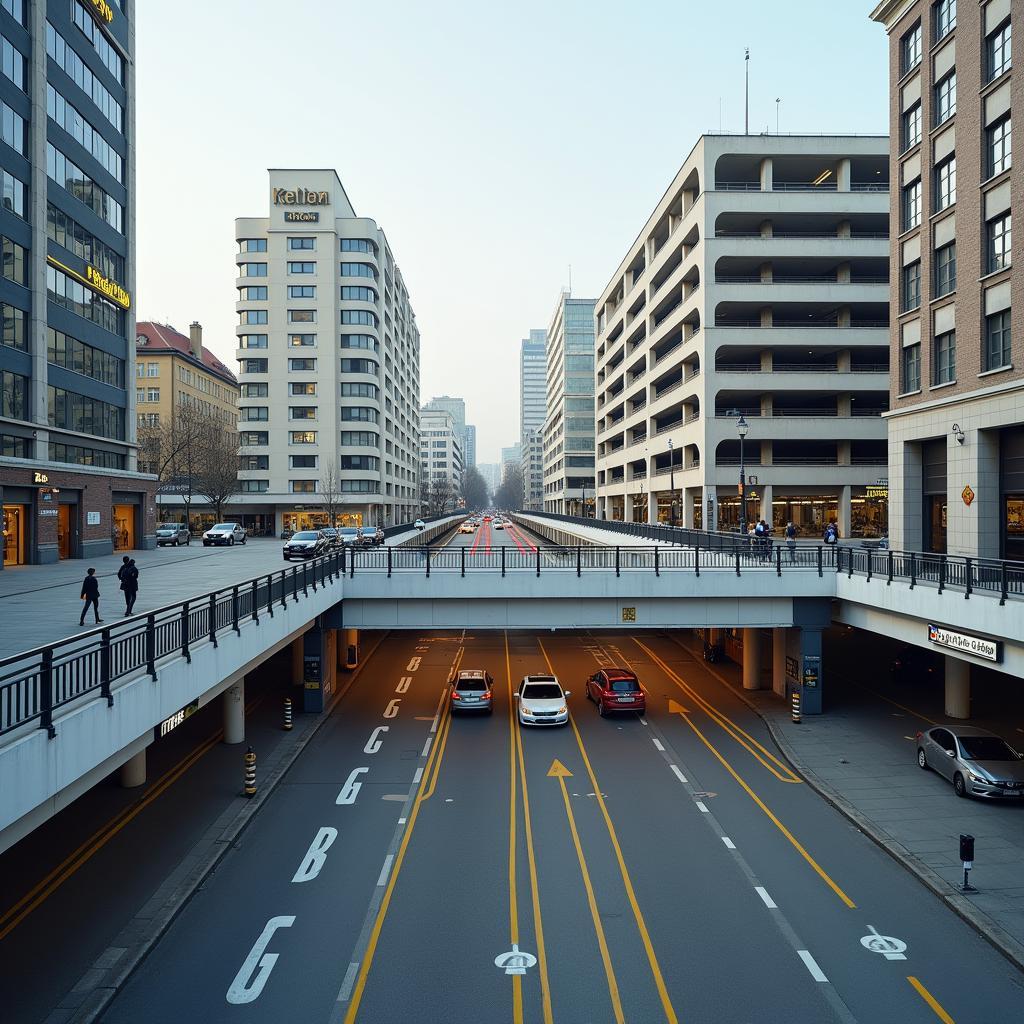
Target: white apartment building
{"points": [[441, 459], [328, 355], [568, 432], [758, 288]]}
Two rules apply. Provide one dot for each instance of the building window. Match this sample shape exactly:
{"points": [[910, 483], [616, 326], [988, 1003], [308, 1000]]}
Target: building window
{"points": [[911, 293], [362, 317], [945, 269], [253, 486], [255, 390], [85, 415], [997, 340], [12, 128], [252, 270], [302, 412], [254, 414], [943, 18], [16, 9], [14, 395], [912, 205], [94, 34], [997, 51], [910, 49], [911, 126], [303, 486], [302, 461], [356, 390], [64, 113], [945, 98], [15, 265], [302, 437], [252, 341], [68, 59], [69, 233], [301, 364], [945, 184], [358, 245], [910, 369], [302, 243], [359, 366], [252, 245], [302, 291], [358, 270], [152, 369], [152, 394], [252, 316], [302, 340], [302, 388], [253, 438], [253, 365], [12, 193], [944, 358], [998, 256], [13, 327], [302, 316], [301, 268], [253, 293], [352, 293], [998, 146]]}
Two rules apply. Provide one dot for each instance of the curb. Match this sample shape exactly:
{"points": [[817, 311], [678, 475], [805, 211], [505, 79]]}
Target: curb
{"points": [[994, 934], [97, 988]]}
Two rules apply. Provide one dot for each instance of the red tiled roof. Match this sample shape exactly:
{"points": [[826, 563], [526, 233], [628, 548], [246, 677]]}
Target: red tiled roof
{"points": [[163, 336]]}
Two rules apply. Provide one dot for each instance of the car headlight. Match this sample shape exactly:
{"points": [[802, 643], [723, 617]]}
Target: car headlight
{"points": [[562, 710], [976, 778]]}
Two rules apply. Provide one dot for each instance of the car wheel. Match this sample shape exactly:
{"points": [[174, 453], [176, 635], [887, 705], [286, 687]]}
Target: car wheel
{"points": [[244, 539], [922, 761], [175, 542], [206, 544], [188, 541], [231, 542], [959, 786]]}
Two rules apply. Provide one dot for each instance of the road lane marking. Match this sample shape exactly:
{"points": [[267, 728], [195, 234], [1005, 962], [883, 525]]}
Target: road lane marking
{"points": [[350, 978], [413, 665], [643, 721], [930, 1000], [426, 747], [513, 896], [403, 684], [658, 745], [678, 774], [419, 775], [401, 821], [797, 845], [255, 970], [391, 711], [816, 972], [763, 893], [374, 743], [386, 870], [316, 855], [538, 924], [560, 772], [729, 844], [641, 924], [702, 807]]}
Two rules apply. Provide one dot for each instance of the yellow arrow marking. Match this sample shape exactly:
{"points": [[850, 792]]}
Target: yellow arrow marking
{"points": [[558, 770], [675, 708]]}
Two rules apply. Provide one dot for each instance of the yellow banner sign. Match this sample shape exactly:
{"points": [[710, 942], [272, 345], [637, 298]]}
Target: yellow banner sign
{"points": [[93, 279]]}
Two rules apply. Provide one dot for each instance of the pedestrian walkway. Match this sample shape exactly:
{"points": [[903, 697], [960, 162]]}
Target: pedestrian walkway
{"points": [[861, 756]]}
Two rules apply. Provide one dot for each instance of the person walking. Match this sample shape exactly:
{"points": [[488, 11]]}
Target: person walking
{"points": [[128, 574], [91, 596], [791, 540]]}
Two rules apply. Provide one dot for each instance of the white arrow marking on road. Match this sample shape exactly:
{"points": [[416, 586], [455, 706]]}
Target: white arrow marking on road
{"points": [[316, 855], [245, 988], [413, 665], [373, 744], [403, 684], [350, 790], [890, 948], [392, 709], [515, 961]]}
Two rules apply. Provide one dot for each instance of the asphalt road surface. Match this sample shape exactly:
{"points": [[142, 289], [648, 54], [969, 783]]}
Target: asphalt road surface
{"points": [[663, 868]]}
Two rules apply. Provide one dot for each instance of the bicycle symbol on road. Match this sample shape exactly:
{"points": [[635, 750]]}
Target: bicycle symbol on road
{"points": [[889, 947]]}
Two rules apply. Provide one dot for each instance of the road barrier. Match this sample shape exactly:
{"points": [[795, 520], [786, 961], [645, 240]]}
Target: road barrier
{"points": [[287, 714], [249, 781], [794, 709]]}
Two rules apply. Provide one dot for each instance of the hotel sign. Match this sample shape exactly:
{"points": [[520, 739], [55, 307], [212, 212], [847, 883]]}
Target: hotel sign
{"points": [[979, 646], [93, 279], [302, 216], [299, 197]]}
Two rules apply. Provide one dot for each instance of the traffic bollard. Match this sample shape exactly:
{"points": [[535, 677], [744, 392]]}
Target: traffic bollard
{"points": [[249, 788], [287, 713], [795, 707]]}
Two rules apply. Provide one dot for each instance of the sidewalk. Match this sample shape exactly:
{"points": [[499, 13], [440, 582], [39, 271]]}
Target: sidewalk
{"points": [[860, 755]]}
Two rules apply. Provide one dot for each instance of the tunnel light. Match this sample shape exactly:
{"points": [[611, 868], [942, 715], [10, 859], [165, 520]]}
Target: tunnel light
{"points": [[823, 177]]}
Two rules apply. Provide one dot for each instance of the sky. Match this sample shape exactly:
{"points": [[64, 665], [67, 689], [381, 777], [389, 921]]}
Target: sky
{"points": [[496, 144]]}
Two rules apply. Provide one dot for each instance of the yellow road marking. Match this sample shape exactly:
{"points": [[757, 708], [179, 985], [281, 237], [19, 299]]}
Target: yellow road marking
{"points": [[743, 738], [764, 807], [930, 1000], [560, 772], [542, 960], [641, 924]]}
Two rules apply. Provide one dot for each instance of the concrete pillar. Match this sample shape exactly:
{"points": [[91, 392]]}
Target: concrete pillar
{"points": [[133, 771], [233, 712], [627, 509], [766, 174], [843, 175], [766, 505], [844, 511], [297, 649], [652, 507], [958, 688], [779, 661], [751, 658], [351, 648]]}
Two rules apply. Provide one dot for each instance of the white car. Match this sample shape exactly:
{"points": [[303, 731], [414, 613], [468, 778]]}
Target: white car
{"points": [[542, 701], [419, 524], [224, 533], [467, 528], [498, 524]]}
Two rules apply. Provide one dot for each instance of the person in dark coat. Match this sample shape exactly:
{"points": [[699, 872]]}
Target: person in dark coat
{"points": [[128, 574], [91, 596]]}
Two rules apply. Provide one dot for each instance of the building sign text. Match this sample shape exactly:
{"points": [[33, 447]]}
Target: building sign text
{"points": [[299, 197], [979, 646], [302, 216], [176, 719]]}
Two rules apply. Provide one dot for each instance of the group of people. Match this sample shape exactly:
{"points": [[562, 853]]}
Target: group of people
{"points": [[128, 574], [759, 538]]}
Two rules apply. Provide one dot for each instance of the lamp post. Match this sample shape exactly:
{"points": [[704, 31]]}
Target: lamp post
{"points": [[742, 426], [672, 478]]}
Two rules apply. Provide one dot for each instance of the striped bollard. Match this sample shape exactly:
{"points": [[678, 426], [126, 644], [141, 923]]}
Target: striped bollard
{"points": [[795, 707], [287, 713], [249, 788]]}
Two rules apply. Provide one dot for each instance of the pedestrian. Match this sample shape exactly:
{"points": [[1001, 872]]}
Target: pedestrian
{"points": [[91, 596], [128, 574], [791, 540], [831, 533]]}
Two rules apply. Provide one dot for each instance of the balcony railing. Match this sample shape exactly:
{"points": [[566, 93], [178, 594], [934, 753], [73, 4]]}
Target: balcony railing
{"points": [[803, 324]]}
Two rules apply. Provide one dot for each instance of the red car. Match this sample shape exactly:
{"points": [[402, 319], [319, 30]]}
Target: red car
{"points": [[616, 689]]}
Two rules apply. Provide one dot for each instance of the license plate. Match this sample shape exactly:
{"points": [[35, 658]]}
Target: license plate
{"points": [[470, 700], [626, 700]]}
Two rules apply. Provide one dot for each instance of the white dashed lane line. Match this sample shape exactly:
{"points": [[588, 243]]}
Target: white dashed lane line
{"points": [[386, 870], [657, 744], [678, 774], [729, 844], [763, 893], [809, 962]]}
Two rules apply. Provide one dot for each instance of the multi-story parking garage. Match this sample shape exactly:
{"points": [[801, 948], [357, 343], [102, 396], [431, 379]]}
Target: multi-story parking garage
{"points": [[757, 288]]}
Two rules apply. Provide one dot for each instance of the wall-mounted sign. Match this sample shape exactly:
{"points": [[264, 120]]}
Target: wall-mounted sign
{"points": [[92, 519], [629, 614], [47, 511], [877, 491], [93, 279], [39, 478], [979, 646], [102, 10], [302, 216], [299, 197], [176, 719], [812, 666], [968, 495]]}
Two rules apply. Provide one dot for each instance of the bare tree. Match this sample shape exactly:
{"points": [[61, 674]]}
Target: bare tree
{"points": [[511, 493], [216, 476], [474, 490], [330, 493], [172, 450], [439, 494]]}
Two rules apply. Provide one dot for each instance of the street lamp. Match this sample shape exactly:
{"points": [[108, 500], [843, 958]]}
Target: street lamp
{"points": [[742, 426], [672, 478]]}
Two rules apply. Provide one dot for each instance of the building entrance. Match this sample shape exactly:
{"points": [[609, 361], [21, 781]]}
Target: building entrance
{"points": [[64, 531], [123, 530], [15, 519]]}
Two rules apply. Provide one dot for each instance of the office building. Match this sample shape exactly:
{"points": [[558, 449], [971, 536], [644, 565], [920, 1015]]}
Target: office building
{"points": [[68, 480], [757, 289], [532, 467], [466, 432], [532, 410], [956, 427], [328, 353], [441, 460], [469, 445], [510, 456], [568, 431], [491, 472]]}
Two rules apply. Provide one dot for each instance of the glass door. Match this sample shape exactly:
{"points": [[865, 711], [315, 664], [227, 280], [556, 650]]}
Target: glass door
{"points": [[14, 534]]}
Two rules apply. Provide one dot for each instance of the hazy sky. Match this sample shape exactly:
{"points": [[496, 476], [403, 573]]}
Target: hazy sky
{"points": [[494, 144]]}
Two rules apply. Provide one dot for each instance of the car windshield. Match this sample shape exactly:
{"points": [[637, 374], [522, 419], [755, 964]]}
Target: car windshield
{"points": [[623, 685], [986, 748], [368, 529], [543, 691], [170, 526], [471, 684], [306, 535], [224, 526], [349, 531]]}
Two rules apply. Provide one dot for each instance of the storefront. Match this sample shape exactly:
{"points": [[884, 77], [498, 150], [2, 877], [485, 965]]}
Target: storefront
{"points": [[933, 466], [869, 511], [15, 527], [729, 510], [122, 531], [1011, 476]]}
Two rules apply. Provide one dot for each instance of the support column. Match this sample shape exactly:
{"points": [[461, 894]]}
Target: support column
{"points": [[652, 506], [710, 513], [233, 712], [779, 661], [958, 688], [844, 511], [133, 771], [297, 645], [751, 658], [351, 648], [318, 666], [627, 509], [766, 505]]}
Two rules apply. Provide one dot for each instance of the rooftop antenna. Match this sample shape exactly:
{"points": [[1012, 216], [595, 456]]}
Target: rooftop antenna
{"points": [[777, 101], [570, 278], [746, 92]]}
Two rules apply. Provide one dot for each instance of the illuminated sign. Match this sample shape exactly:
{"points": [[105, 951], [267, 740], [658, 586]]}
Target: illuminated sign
{"points": [[39, 478], [93, 279], [176, 719], [877, 492], [979, 646], [299, 197], [102, 10], [302, 216]]}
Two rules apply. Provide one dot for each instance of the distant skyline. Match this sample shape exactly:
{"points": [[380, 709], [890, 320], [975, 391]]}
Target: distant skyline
{"points": [[495, 147]]}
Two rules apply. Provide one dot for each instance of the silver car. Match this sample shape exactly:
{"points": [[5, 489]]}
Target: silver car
{"points": [[471, 690], [977, 762], [172, 533]]}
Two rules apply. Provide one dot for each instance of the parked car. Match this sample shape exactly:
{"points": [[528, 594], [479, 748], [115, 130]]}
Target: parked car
{"points": [[368, 536], [471, 690], [541, 701], [616, 689], [172, 533], [977, 762], [332, 536], [420, 525], [305, 544], [224, 533], [349, 536]]}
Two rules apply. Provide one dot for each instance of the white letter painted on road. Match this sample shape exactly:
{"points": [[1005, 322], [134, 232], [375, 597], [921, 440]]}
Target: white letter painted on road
{"points": [[245, 988], [374, 744], [403, 685], [316, 855], [392, 709], [413, 665], [350, 790]]}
